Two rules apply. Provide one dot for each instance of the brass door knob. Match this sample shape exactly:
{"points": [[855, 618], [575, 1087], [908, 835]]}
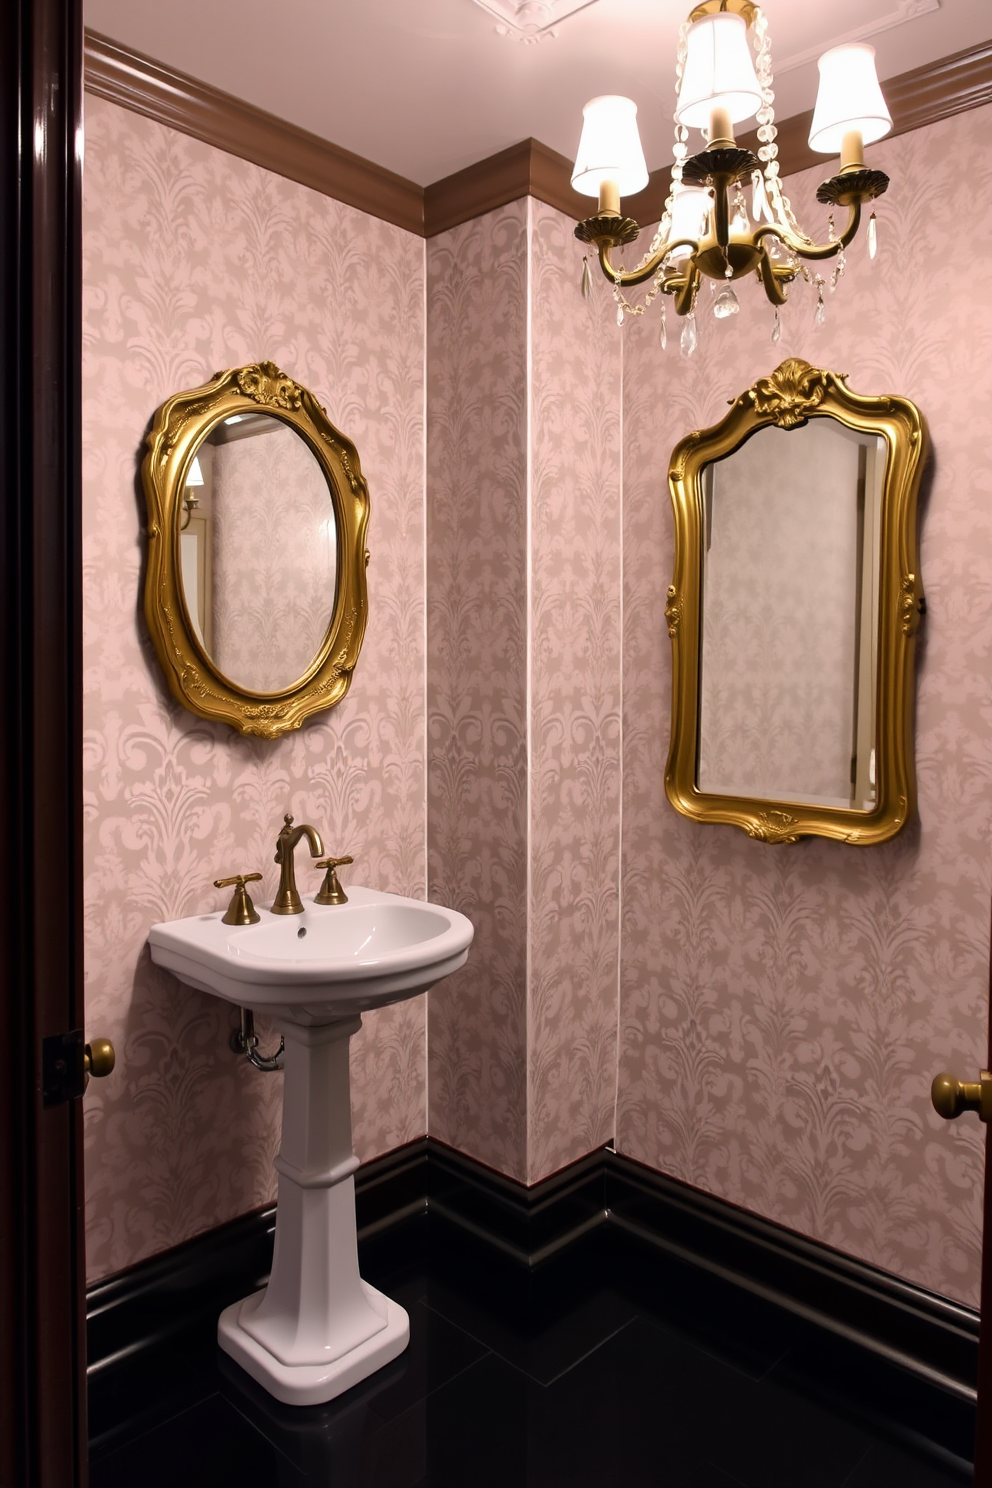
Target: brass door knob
{"points": [[951, 1096], [99, 1058]]}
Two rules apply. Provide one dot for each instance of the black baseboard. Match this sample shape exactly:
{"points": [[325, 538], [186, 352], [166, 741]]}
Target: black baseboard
{"points": [[930, 1336], [920, 1330]]}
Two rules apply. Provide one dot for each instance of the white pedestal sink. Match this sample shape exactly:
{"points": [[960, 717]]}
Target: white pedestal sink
{"points": [[317, 1328]]}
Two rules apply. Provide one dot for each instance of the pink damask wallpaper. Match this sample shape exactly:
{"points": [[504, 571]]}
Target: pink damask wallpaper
{"points": [[575, 705], [477, 677], [783, 1009], [195, 261], [524, 689]]}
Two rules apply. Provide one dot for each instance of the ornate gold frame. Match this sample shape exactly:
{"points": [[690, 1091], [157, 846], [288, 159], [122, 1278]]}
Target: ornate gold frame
{"points": [[794, 393], [179, 426]]}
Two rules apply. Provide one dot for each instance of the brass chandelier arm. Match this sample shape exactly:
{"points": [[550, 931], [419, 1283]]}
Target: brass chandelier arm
{"points": [[805, 247], [645, 270], [774, 278]]}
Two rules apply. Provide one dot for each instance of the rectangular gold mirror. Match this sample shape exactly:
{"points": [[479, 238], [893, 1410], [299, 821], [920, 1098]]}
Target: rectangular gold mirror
{"points": [[794, 609]]}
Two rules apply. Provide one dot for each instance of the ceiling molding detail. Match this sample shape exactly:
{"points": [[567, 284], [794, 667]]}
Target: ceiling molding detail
{"points": [[906, 10], [938, 90], [181, 102], [527, 169]]}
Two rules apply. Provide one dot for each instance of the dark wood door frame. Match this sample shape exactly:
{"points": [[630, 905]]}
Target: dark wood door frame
{"points": [[42, 1343], [983, 1424]]}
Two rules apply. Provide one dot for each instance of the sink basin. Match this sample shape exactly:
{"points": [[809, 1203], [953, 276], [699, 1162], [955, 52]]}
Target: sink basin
{"points": [[317, 1328], [332, 960]]}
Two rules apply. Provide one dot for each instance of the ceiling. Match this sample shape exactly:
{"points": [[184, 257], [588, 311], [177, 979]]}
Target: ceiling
{"points": [[426, 87]]}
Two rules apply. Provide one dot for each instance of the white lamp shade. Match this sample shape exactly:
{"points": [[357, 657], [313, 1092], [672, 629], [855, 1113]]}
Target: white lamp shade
{"points": [[195, 477], [610, 148], [848, 98], [690, 217], [719, 72]]}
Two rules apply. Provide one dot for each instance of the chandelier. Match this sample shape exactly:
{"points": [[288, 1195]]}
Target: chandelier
{"points": [[723, 75]]}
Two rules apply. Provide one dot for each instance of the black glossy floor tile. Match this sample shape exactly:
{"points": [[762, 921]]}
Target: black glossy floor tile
{"points": [[208, 1445], [546, 1343], [541, 1321], [134, 1396], [891, 1403], [884, 1465], [659, 1377], [708, 1476], [734, 1325]]}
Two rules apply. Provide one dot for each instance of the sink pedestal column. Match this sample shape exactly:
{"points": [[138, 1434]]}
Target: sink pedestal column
{"points": [[317, 1328]]}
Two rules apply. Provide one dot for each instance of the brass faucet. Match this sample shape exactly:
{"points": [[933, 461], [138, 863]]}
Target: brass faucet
{"points": [[287, 900]]}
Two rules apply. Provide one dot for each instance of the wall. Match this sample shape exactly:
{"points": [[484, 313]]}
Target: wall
{"points": [[194, 261], [783, 1010], [524, 674]]}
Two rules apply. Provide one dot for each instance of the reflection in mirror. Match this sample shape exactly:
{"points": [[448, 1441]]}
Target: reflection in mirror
{"points": [[258, 551], [790, 582]]}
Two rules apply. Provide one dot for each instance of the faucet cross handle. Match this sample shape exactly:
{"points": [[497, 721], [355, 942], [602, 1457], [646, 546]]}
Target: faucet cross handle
{"points": [[240, 911], [331, 891]]}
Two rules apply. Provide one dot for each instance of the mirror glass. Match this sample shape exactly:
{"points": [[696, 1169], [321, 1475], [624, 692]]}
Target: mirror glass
{"points": [[789, 611], [259, 551]]}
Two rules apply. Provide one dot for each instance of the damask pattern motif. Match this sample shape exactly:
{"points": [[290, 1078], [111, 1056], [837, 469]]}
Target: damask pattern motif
{"points": [[783, 1010], [477, 678], [576, 677], [524, 684], [194, 261]]}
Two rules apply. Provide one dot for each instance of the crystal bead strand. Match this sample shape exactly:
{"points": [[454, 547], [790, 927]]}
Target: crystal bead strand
{"points": [[840, 263], [679, 152], [767, 131]]}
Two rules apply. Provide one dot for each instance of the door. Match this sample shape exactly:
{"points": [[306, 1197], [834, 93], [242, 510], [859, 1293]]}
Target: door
{"points": [[42, 1293], [951, 1098]]}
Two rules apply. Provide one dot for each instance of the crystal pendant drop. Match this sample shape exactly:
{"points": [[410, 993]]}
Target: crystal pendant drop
{"points": [[872, 238], [619, 315], [726, 303], [663, 333], [759, 199], [689, 340], [820, 313], [777, 328], [586, 281]]}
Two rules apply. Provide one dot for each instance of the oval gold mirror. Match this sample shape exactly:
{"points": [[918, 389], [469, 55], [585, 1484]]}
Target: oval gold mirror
{"points": [[794, 609], [255, 591]]}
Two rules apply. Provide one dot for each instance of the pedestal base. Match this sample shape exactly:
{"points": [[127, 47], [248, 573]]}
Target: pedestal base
{"points": [[313, 1384]]}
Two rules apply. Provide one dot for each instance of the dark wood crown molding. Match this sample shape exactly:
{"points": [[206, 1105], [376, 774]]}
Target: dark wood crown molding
{"points": [[527, 169], [173, 98], [950, 86]]}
